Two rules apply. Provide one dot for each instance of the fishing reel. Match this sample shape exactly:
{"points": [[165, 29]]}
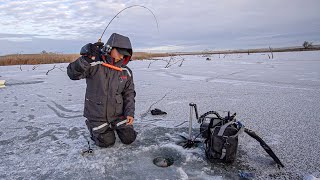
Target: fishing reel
{"points": [[95, 50], [106, 49]]}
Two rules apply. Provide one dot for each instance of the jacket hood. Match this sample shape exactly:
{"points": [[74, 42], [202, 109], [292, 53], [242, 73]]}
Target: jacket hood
{"points": [[120, 41]]}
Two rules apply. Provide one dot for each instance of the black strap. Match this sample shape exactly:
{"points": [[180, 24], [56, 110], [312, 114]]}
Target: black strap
{"points": [[202, 117], [264, 146]]}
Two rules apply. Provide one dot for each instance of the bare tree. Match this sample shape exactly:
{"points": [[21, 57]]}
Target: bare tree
{"points": [[307, 44], [51, 69], [173, 60], [206, 53], [181, 62], [34, 67], [55, 67], [151, 63], [168, 62], [271, 53]]}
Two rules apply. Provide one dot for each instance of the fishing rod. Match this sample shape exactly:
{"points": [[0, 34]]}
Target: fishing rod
{"points": [[99, 40], [106, 48]]}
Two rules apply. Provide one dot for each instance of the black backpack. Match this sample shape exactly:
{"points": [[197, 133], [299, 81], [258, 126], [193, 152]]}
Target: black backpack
{"points": [[221, 136]]}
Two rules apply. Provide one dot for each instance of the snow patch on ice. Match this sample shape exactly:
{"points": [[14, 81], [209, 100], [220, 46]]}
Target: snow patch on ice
{"points": [[43, 132], [183, 175], [310, 177]]}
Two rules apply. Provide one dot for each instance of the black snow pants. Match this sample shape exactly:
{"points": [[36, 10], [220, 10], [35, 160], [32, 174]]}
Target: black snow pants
{"points": [[104, 136]]}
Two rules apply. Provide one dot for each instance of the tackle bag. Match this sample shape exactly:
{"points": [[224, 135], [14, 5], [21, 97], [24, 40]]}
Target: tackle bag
{"points": [[221, 142], [221, 137]]}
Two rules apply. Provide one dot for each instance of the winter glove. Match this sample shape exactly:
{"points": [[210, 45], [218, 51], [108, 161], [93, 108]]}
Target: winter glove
{"points": [[157, 112], [91, 51]]}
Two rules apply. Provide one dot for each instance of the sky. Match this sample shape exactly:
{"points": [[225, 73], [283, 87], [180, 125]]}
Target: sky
{"points": [[64, 26]]}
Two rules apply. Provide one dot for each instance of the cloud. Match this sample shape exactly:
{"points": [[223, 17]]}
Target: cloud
{"points": [[17, 39], [184, 24]]}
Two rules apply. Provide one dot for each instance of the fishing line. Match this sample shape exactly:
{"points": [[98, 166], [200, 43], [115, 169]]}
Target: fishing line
{"points": [[122, 11]]}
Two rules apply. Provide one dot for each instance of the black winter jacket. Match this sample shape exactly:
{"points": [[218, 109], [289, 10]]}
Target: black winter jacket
{"points": [[109, 95]]}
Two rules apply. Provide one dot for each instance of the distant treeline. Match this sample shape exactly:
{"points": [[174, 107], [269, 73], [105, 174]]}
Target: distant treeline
{"points": [[50, 58], [259, 50]]}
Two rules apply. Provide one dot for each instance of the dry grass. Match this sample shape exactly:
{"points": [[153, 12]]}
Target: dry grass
{"points": [[50, 58], [144, 55]]}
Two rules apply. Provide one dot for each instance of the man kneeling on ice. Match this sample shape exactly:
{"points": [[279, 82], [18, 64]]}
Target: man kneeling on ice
{"points": [[110, 96]]}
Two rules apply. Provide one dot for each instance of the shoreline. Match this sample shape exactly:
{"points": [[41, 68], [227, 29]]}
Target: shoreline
{"points": [[50, 58]]}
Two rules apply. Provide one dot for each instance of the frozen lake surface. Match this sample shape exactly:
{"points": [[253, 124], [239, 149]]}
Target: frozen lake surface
{"points": [[42, 130]]}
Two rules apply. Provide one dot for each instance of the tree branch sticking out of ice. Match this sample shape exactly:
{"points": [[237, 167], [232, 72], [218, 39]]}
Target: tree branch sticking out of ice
{"points": [[170, 62], [54, 67]]}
